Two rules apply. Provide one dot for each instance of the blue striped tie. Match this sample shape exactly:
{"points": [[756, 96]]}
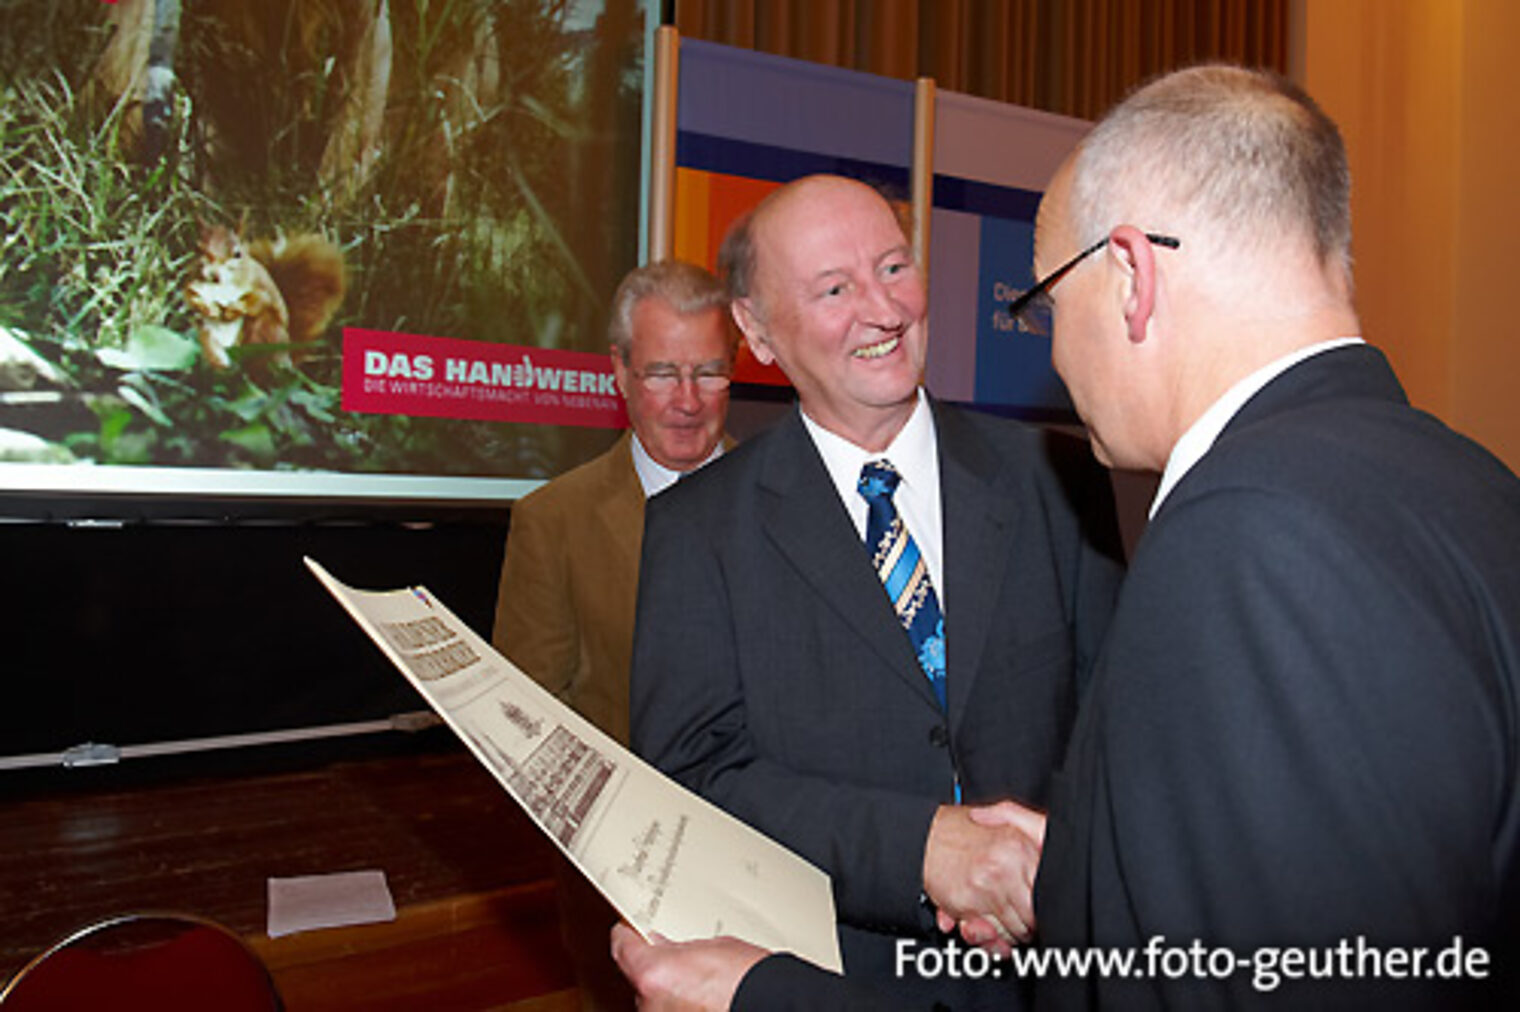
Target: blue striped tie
{"points": [[901, 567]]}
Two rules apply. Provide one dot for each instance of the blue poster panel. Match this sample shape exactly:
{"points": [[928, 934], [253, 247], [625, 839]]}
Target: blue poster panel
{"points": [[1012, 364], [991, 164]]}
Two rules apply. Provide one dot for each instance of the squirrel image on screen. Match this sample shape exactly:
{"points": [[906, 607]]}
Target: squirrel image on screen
{"points": [[280, 292]]}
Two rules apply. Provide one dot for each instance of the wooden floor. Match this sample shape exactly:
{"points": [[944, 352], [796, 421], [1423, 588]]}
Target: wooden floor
{"points": [[471, 876]]}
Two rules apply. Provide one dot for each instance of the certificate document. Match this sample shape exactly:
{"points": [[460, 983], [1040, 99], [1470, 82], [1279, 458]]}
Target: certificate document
{"points": [[670, 862]]}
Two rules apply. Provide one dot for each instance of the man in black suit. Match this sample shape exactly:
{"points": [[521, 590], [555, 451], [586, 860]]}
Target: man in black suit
{"points": [[771, 672], [1293, 779], [1303, 730]]}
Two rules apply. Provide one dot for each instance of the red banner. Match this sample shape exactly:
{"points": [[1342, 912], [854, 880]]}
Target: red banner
{"points": [[444, 377]]}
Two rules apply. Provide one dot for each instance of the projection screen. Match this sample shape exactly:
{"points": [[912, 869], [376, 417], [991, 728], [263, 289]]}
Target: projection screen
{"points": [[313, 249]]}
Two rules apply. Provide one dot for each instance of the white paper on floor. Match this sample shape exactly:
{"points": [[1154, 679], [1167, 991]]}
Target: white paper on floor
{"points": [[306, 902]]}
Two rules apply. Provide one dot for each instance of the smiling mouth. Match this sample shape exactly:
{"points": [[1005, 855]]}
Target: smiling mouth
{"points": [[886, 347]]}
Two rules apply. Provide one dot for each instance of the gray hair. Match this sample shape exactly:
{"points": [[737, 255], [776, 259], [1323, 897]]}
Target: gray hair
{"points": [[1243, 156], [688, 288], [736, 257]]}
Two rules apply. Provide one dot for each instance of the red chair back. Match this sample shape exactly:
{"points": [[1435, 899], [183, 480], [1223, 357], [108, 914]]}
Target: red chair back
{"points": [[161, 961]]}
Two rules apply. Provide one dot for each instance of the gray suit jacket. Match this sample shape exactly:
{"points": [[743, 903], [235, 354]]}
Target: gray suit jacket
{"points": [[771, 675]]}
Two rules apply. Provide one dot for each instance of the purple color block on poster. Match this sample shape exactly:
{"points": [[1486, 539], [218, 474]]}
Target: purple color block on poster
{"points": [[748, 96]]}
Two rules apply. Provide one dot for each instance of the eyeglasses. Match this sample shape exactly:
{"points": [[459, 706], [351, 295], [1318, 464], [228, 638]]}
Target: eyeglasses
{"points": [[710, 378], [1031, 311]]}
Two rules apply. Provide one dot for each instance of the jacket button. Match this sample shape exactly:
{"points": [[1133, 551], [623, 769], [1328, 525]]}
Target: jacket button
{"points": [[939, 736]]}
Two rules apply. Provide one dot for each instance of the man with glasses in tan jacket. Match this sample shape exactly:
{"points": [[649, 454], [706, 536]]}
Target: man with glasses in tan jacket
{"points": [[564, 611]]}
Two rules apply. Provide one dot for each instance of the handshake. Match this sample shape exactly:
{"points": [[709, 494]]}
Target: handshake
{"points": [[979, 870]]}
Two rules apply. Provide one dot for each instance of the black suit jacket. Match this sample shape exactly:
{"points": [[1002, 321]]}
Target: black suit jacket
{"points": [[1303, 727], [771, 675]]}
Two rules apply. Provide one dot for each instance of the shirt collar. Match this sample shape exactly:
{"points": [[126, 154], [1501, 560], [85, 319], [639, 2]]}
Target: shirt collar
{"points": [[656, 477], [1200, 436], [913, 452]]}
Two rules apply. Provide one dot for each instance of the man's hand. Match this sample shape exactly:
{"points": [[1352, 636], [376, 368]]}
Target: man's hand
{"points": [[979, 870], [683, 976]]}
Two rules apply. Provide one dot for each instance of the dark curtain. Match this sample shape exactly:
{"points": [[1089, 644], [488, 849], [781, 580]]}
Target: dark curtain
{"points": [[1073, 57]]}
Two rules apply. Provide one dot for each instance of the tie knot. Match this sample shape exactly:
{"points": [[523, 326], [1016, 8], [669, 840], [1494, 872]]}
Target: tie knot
{"points": [[877, 479]]}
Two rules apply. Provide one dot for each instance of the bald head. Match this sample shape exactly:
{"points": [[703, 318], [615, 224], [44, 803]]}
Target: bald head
{"points": [[1237, 160], [737, 255], [823, 283], [1214, 205]]}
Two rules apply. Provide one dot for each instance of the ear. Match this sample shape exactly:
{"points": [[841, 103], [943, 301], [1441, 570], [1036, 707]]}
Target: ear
{"points": [[749, 324], [1137, 258], [619, 371]]}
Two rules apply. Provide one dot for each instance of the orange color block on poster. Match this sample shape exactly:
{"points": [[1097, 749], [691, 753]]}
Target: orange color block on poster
{"points": [[706, 204], [689, 240]]}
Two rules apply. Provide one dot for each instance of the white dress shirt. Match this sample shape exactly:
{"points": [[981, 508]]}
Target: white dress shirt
{"points": [[655, 476], [914, 453]]}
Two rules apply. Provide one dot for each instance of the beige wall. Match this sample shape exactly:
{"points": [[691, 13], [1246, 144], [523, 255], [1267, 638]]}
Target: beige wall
{"points": [[1432, 123], [1485, 364]]}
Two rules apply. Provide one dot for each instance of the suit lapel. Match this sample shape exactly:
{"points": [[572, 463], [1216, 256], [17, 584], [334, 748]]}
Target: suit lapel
{"points": [[621, 509], [803, 517], [976, 536]]}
